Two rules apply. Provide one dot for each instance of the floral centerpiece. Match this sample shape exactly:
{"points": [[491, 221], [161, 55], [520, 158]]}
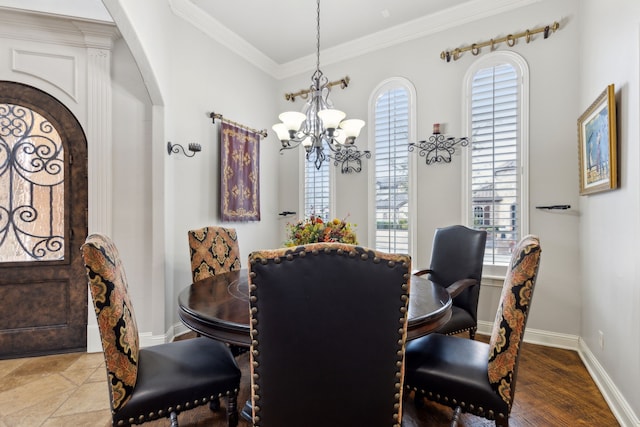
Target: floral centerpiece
{"points": [[314, 229]]}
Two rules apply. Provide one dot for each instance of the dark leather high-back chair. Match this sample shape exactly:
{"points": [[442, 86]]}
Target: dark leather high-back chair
{"points": [[213, 250], [472, 376], [152, 382], [328, 327], [457, 258]]}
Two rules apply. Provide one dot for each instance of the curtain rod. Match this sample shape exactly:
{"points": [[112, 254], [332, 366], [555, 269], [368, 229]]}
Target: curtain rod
{"points": [[304, 93], [215, 116], [510, 39]]}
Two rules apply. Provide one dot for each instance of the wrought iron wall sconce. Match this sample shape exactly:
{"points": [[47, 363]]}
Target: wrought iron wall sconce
{"points": [[438, 148], [176, 148]]}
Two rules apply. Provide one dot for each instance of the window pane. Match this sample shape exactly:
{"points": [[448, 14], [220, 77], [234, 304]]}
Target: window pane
{"points": [[31, 187], [392, 171], [495, 182], [316, 190]]}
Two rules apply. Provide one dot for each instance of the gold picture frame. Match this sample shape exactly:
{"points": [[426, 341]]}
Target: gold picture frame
{"points": [[597, 145]]}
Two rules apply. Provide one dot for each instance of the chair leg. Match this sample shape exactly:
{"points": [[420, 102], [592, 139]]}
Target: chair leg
{"points": [[472, 333], [214, 405], [232, 409], [455, 417], [502, 421], [174, 419], [418, 400]]}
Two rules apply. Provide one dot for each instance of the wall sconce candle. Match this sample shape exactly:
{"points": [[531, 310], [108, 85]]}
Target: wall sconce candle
{"points": [[438, 148], [176, 148]]}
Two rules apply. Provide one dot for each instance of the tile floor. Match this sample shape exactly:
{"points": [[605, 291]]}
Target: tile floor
{"points": [[61, 390]]}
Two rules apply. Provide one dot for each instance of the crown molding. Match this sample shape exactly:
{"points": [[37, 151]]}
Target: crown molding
{"points": [[417, 28], [223, 35], [56, 29]]}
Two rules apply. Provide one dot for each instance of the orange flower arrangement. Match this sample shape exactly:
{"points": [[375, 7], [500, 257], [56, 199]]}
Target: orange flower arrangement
{"points": [[314, 229]]}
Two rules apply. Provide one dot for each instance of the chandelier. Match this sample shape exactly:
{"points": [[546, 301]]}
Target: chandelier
{"points": [[320, 128]]}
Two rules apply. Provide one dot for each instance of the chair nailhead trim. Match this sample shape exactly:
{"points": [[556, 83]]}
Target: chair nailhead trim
{"points": [[464, 406]]}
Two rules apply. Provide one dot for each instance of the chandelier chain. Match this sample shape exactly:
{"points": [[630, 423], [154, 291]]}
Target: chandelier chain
{"points": [[318, 36]]}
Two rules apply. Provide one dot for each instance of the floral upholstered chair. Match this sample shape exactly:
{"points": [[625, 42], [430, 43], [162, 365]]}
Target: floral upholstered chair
{"points": [[213, 250], [472, 376], [152, 382]]}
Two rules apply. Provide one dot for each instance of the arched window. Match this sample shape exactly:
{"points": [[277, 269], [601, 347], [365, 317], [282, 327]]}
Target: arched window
{"points": [[392, 115], [496, 167]]}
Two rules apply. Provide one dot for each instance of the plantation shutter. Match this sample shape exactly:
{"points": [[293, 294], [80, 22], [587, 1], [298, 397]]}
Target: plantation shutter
{"points": [[495, 171], [392, 171], [316, 190]]}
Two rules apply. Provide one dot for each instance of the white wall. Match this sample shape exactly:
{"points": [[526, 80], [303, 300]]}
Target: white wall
{"points": [[609, 53], [132, 205]]}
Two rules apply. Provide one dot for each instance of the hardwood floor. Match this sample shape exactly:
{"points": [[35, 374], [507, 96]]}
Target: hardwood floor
{"points": [[553, 389]]}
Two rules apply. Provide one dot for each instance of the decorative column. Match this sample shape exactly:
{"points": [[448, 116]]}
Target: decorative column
{"points": [[98, 43], [99, 124]]}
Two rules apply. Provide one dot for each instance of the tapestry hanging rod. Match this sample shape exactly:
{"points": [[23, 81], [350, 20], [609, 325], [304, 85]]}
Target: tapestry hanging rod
{"points": [[263, 133], [510, 39], [304, 93]]}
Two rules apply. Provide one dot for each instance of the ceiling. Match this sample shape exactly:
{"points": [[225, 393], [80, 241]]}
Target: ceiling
{"points": [[279, 36], [285, 30]]}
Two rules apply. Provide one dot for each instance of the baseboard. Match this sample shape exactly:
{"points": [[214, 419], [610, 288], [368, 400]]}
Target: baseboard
{"points": [[180, 329], [538, 336], [147, 339], [616, 401]]}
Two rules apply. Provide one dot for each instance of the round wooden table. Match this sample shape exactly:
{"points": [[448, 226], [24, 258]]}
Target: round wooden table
{"points": [[218, 307]]}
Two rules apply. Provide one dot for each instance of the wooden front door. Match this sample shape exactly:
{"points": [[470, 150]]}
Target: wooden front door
{"points": [[43, 222]]}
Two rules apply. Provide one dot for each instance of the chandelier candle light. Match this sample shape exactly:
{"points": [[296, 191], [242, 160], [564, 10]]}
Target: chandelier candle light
{"points": [[438, 148], [320, 128]]}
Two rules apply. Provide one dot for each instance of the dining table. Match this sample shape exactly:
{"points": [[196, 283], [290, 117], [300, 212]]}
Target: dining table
{"points": [[218, 307]]}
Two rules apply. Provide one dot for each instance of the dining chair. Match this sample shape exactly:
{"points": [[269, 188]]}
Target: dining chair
{"points": [[472, 376], [213, 250], [457, 258], [328, 330], [158, 381]]}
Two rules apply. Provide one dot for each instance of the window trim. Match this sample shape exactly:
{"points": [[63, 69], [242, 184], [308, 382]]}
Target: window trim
{"points": [[522, 68], [384, 86]]}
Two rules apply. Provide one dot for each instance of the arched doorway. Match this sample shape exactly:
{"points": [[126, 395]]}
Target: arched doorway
{"points": [[43, 222]]}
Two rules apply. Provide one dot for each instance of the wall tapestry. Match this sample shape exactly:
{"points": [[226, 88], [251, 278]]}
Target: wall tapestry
{"points": [[240, 169]]}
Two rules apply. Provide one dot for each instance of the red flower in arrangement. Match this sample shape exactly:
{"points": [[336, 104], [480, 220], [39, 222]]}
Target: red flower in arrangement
{"points": [[314, 229]]}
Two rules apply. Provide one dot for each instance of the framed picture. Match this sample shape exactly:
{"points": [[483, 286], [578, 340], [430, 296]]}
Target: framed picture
{"points": [[597, 144]]}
